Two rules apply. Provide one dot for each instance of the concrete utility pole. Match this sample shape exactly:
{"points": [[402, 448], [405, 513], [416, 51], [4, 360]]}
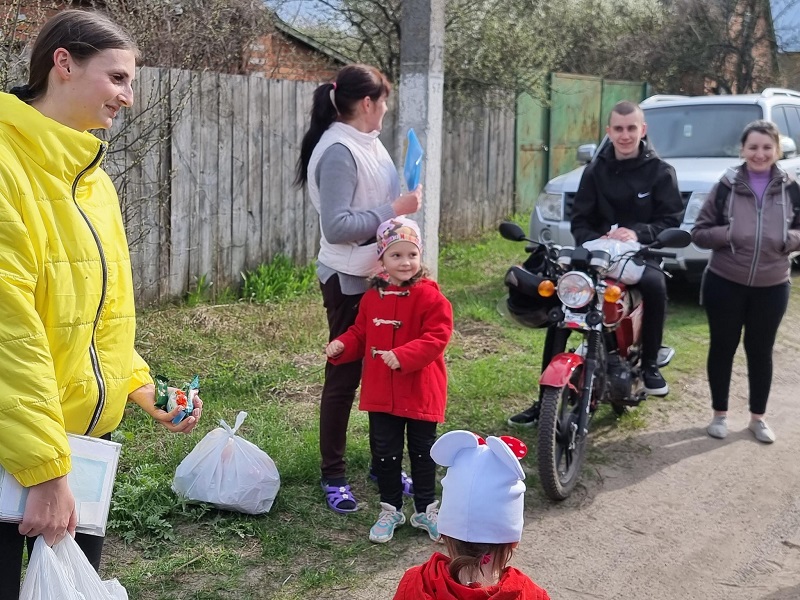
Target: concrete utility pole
{"points": [[421, 93]]}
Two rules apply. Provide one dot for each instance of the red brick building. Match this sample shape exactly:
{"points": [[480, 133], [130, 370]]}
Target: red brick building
{"points": [[288, 54]]}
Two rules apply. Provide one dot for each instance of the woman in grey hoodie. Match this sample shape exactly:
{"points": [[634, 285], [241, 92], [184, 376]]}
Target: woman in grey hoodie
{"points": [[751, 228]]}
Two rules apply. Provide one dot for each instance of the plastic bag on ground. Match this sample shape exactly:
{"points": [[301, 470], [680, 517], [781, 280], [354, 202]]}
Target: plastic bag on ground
{"points": [[64, 572], [229, 472]]}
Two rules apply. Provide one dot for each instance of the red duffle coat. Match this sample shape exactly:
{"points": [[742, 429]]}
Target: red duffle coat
{"points": [[432, 581], [415, 322]]}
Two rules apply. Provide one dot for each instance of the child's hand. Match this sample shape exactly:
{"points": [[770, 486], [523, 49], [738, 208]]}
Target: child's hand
{"points": [[391, 360], [334, 349]]}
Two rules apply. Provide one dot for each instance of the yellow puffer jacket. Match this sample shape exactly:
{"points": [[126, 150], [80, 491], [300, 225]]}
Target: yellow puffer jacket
{"points": [[67, 320]]}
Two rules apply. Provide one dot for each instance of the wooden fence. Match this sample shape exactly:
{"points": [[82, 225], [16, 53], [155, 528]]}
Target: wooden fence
{"points": [[204, 163]]}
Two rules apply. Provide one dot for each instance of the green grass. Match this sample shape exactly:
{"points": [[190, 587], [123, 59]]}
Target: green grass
{"points": [[267, 358]]}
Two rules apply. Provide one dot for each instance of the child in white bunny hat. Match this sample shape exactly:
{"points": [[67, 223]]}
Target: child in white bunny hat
{"points": [[480, 522]]}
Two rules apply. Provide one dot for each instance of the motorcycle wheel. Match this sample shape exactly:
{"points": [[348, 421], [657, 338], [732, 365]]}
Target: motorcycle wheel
{"points": [[559, 465]]}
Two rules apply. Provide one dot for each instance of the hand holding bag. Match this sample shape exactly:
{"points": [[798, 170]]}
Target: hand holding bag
{"points": [[64, 572], [229, 472]]}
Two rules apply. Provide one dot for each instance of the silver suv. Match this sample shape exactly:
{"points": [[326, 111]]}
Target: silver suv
{"points": [[699, 137]]}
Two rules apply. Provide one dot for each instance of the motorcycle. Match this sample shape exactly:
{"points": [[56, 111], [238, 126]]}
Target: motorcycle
{"points": [[570, 290]]}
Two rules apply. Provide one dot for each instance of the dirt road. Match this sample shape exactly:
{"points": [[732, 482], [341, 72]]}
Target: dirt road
{"points": [[669, 513]]}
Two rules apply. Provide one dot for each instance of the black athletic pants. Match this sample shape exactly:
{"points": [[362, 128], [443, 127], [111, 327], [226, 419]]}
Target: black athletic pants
{"points": [[732, 307], [386, 433], [653, 287]]}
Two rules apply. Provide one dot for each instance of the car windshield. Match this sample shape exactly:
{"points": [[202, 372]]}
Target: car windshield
{"points": [[700, 130]]}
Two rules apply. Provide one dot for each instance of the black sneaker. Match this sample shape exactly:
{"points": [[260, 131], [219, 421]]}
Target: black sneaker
{"points": [[527, 418], [654, 383], [665, 354]]}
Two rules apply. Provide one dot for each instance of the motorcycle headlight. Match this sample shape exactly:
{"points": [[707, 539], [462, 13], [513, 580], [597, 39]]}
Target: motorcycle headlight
{"points": [[575, 289], [549, 206], [693, 207]]}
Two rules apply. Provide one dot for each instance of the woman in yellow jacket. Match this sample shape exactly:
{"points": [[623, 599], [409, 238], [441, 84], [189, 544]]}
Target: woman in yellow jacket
{"points": [[67, 319]]}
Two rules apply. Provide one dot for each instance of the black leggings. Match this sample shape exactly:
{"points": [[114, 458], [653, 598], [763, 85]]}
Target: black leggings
{"points": [[11, 544], [386, 442], [730, 307]]}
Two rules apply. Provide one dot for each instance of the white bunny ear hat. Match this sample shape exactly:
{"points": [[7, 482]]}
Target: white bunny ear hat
{"points": [[482, 492]]}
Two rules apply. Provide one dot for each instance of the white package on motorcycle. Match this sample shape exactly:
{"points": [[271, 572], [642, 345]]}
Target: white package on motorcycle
{"points": [[622, 267]]}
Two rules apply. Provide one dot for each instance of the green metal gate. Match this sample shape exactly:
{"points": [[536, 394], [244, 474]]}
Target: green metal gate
{"points": [[548, 136]]}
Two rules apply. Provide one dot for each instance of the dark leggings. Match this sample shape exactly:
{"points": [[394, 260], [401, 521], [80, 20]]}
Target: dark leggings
{"points": [[386, 433], [653, 287], [11, 544], [341, 382], [730, 307]]}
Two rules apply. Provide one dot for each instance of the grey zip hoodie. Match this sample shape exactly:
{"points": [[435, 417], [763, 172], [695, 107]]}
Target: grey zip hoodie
{"points": [[752, 245]]}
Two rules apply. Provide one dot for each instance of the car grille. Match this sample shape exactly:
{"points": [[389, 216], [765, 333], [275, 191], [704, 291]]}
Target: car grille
{"points": [[569, 200]]}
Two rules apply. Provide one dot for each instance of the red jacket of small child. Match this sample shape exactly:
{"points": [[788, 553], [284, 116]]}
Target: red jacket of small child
{"points": [[432, 581], [415, 322]]}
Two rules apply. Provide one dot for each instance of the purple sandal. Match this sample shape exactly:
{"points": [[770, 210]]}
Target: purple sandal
{"points": [[408, 483], [338, 495]]}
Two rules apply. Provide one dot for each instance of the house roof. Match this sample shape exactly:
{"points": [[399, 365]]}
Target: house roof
{"points": [[786, 23], [308, 41]]}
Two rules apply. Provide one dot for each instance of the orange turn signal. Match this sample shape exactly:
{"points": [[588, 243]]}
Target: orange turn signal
{"points": [[612, 293], [546, 288]]}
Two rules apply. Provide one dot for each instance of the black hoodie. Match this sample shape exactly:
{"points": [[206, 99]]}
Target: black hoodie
{"points": [[639, 193]]}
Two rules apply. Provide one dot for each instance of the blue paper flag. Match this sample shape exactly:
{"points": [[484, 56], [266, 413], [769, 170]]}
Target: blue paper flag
{"points": [[413, 164]]}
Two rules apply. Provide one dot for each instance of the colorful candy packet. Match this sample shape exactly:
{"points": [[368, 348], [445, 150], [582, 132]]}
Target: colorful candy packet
{"points": [[167, 399]]}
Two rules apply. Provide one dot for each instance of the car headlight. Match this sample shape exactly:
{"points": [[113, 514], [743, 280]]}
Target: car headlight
{"points": [[575, 289], [693, 207], [549, 206]]}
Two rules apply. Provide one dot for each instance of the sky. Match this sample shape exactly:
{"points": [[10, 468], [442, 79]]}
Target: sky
{"points": [[299, 12], [786, 16]]}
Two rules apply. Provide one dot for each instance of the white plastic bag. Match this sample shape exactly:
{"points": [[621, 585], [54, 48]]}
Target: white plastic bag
{"points": [[621, 268], [229, 472], [64, 572]]}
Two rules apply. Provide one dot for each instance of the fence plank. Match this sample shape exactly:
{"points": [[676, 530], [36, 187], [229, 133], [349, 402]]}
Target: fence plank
{"points": [[223, 267], [276, 144], [182, 185], [239, 176], [208, 142], [286, 226], [255, 168], [150, 184]]}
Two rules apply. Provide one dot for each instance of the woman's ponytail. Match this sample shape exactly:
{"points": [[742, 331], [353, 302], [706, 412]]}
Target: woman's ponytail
{"points": [[23, 92], [323, 114]]}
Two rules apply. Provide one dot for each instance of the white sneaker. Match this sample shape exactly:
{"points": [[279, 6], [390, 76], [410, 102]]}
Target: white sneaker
{"points": [[761, 431], [389, 520], [428, 520], [718, 428]]}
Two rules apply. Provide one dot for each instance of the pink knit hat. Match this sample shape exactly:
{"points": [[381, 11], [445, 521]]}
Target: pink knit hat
{"points": [[398, 229]]}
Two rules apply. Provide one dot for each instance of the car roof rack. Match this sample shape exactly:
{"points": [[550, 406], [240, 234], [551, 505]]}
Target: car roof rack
{"points": [[661, 98], [768, 92]]}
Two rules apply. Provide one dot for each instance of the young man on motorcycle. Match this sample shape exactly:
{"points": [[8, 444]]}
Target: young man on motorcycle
{"points": [[628, 193]]}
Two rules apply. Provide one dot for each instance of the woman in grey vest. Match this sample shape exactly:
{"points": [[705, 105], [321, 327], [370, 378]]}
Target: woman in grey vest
{"points": [[353, 184]]}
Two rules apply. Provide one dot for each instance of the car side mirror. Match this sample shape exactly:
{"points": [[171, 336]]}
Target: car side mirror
{"points": [[585, 153], [788, 147]]}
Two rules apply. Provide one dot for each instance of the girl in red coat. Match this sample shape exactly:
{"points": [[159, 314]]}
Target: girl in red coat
{"points": [[401, 331], [480, 523]]}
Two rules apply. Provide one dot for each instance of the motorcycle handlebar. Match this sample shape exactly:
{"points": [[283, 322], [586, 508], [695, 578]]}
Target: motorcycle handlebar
{"points": [[660, 254]]}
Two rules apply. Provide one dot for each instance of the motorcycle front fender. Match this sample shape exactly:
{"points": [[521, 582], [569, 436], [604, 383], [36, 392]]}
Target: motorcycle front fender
{"points": [[559, 372]]}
